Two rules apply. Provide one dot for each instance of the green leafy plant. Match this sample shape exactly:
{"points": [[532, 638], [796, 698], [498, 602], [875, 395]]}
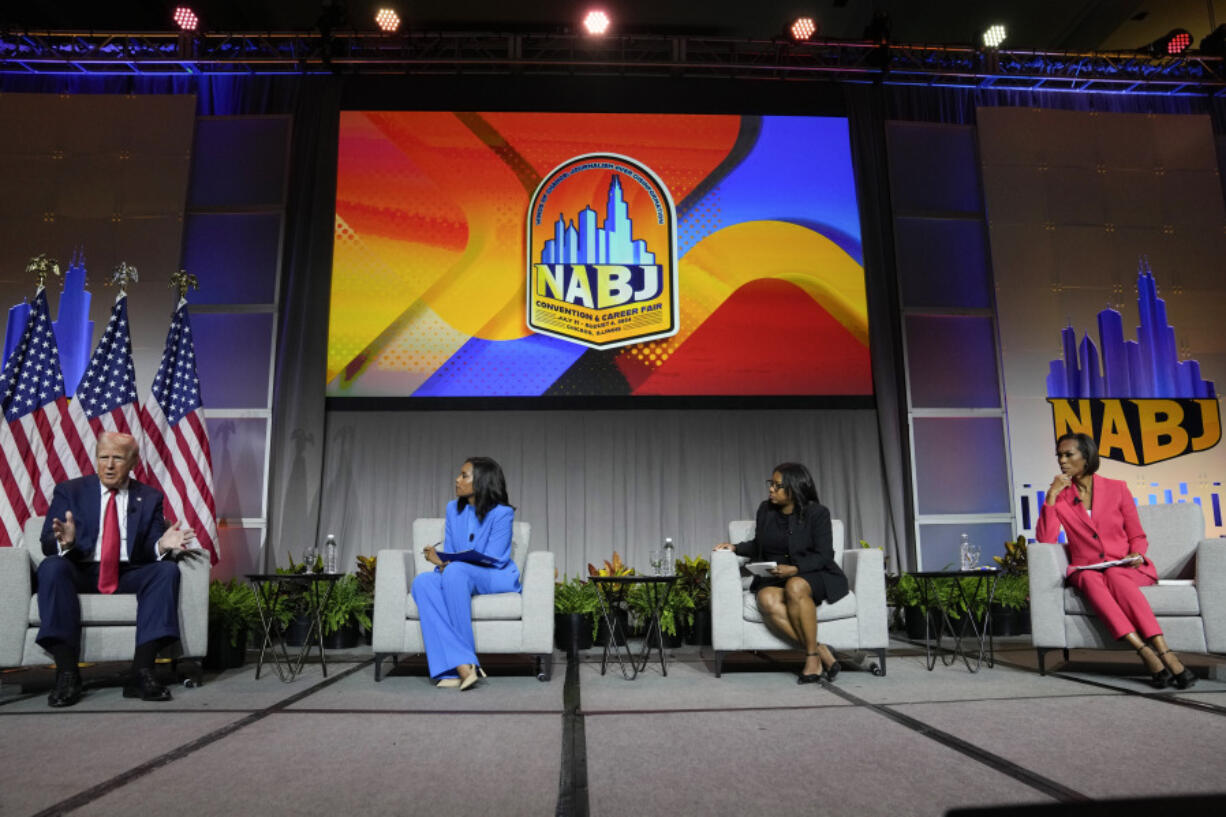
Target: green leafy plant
{"points": [[576, 596], [903, 590], [678, 607], [232, 608], [1013, 592], [366, 573], [694, 577], [1014, 562], [347, 604], [615, 593]]}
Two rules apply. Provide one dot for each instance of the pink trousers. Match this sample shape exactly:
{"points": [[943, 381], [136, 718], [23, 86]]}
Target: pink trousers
{"points": [[1115, 594]]}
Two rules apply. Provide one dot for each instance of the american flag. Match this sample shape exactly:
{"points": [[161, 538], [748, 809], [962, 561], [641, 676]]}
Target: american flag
{"points": [[175, 448], [106, 396], [39, 443]]}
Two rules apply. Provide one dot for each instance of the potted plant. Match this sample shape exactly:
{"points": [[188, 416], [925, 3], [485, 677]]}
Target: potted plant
{"points": [[676, 611], [345, 610], [366, 581], [1011, 607], [615, 597], [904, 594], [694, 577], [576, 608], [232, 612], [290, 606]]}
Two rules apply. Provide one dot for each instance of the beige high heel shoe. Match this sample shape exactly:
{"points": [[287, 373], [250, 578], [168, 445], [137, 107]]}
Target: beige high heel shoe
{"points": [[475, 673], [447, 683]]}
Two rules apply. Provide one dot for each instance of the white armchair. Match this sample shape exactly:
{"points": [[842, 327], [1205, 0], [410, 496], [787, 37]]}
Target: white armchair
{"points": [[1189, 598], [502, 622], [855, 622], [108, 622]]}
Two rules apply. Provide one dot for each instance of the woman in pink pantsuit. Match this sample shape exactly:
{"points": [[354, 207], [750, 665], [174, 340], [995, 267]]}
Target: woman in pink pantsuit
{"points": [[1100, 521]]}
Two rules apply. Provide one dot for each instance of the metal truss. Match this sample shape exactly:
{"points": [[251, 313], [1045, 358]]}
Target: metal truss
{"points": [[368, 53]]}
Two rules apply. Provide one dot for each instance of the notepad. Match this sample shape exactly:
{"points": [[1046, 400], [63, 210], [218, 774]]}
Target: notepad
{"points": [[1104, 565], [473, 557], [761, 568]]}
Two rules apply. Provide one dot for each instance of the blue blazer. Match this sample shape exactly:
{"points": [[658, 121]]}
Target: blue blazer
{"points": [[82, 496], [490, 536]]}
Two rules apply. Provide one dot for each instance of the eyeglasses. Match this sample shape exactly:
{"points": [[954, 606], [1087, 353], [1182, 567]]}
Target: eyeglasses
{"points": [[774, 486]]}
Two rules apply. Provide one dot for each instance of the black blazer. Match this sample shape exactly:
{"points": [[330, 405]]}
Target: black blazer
{"points": [[810, 544], [83, 496]]}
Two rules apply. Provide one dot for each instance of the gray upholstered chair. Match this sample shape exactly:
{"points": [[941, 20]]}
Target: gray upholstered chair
{"points": [[502, 622], [855, 622], [1189, 598], [108, 622]]}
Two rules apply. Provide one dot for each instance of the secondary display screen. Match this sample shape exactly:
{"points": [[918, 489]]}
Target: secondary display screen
{"points": [[596, 255]]}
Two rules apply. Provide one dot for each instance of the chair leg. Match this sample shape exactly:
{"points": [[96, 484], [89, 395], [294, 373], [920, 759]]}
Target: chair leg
{"points": [[544, 664], [379, 656], [719, 662], [880, 670], [1042, 654]]}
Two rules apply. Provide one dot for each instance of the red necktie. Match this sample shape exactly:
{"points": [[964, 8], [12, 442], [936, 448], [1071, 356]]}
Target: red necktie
{"points": [[108, 571]]}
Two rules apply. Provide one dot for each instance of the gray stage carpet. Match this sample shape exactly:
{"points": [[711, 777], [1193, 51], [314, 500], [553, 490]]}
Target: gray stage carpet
{"points": [[914, 742]]}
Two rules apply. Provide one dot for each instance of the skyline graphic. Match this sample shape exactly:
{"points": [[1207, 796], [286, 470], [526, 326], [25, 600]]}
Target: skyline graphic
{"points": [[1146, 367], [614, 243]]}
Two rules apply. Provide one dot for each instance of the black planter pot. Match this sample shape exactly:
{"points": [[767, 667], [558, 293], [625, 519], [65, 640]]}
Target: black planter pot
{"points": [[700, 633], [572, 632], [221, 653], [295, 633], [621, 623], [671, 642], [1008, 621], [913, 617], [345, 638]]}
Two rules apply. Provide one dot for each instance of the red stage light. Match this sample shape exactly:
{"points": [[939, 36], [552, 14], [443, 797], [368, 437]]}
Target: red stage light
{"points": [[596, 22], [388, 19], [185, 18], [1179, 43], [802, 28]]}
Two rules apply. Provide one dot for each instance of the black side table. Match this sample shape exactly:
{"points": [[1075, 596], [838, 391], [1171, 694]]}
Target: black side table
{"points": [[270, 589], [658, 590], [982, 628]]}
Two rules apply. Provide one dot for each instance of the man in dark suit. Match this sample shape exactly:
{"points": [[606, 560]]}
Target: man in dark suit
{"points": [[105, 533]]}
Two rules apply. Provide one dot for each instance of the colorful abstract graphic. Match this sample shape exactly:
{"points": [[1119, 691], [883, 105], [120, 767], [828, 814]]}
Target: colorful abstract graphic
{"points": [[429, 270]]}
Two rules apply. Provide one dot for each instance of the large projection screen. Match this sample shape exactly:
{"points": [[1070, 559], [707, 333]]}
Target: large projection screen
{"points": [[582, 256]]}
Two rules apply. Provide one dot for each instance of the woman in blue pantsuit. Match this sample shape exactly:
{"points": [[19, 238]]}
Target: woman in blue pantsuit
{"points": [[478, 519]]}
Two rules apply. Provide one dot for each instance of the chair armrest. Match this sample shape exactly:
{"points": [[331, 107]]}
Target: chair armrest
{"points": [[1047, 564], [194, 606], [726, 600], [393, 574], [1211, 588], [15, 591], [538, 587], [865, 569]]}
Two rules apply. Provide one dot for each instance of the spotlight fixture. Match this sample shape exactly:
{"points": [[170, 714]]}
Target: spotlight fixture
{"points": [[1214, 43], [994, 36], [802, 29], [387, 19], [1176, 42], [596, 22], [185, 18]]}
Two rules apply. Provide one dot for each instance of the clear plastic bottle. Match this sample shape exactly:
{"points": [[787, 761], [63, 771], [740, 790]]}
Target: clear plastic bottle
{"points": [[964, 553], [670, 557], [330, 554]]}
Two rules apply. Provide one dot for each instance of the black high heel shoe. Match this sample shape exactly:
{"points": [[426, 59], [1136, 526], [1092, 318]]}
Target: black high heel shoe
{"points": [[1160, 679], [1182, 680], [812, 678]]}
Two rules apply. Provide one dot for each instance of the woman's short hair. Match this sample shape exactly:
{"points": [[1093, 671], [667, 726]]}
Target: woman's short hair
{"points": [[1087, 447], [489, 487], [798, 483]]}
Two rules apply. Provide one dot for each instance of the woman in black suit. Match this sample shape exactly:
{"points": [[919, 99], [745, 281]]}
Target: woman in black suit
{"points": [[793, 529]]}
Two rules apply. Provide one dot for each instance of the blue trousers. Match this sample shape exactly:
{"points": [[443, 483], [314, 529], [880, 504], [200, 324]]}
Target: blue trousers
{"points": [[444, 603], [156, 585]]}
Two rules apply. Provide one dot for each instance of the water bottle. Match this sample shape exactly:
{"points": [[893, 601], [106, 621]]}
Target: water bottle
{"points": [[330, 554], [964, 553], [669, 557]]}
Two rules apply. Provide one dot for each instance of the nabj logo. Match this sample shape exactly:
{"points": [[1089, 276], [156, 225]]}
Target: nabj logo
{"points": [[603, 271]]}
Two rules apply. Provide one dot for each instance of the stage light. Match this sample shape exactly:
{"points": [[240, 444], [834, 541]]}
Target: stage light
{"points": [[1173, 44], [387, 19], [596, 22], [802, 28], [994, 36], [185, 18], [1214, 43]]}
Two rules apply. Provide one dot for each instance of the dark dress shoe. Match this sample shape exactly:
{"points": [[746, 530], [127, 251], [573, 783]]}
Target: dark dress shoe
{"points": [[145, 685], [1184, 679], [811, 678], [1162, 680], [833, 671], [67, 689]]}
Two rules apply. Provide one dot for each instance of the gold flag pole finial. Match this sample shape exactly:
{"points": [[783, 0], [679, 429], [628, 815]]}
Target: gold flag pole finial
{"points": [[41, 266], [122, 275], [183, 281]]}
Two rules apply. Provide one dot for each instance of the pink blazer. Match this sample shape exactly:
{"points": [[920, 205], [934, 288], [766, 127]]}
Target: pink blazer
{"points": [[1112, 532]]}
